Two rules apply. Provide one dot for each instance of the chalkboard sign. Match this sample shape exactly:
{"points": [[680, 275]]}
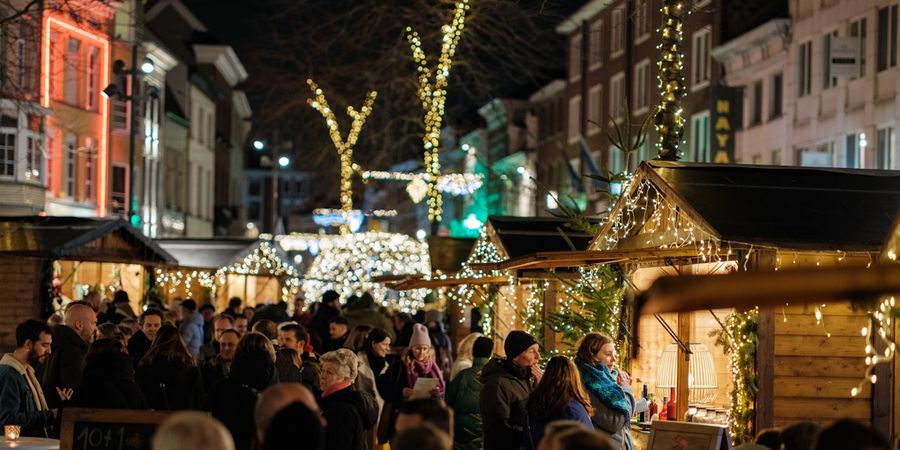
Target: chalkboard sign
{"points": [[108, 429], [666, 435]]}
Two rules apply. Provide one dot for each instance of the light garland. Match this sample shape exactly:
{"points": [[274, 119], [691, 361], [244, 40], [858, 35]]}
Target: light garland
{"points": [[344, 147], [455, 184], [739, 339], [433, 94], [265, 260], [173, 280], [350, 261], [484, 251], [879, 329], [669, 118]]}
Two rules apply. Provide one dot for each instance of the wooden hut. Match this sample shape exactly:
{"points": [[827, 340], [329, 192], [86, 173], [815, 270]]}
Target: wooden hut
{"points": [[47, 261]]}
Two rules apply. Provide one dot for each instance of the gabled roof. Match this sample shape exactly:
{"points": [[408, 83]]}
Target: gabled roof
{"points": [[778, 206], [208, 253], [79, 239], [447, 254], [517, 236], [891, 250]]}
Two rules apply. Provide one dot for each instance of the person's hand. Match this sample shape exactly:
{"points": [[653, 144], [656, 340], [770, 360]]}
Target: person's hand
{"points": [[436, 392], [65, 394], [536, 371], [623, 379], [407, 392]]}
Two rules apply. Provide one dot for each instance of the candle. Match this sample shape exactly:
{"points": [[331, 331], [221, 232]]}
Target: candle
{"points": [[12, 432]]}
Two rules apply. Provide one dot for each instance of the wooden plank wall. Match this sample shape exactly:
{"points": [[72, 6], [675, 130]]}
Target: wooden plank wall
{"points": [[814, 373]]}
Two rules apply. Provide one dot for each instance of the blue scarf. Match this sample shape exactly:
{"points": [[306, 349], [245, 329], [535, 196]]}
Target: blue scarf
{"points": [[601, 382]]}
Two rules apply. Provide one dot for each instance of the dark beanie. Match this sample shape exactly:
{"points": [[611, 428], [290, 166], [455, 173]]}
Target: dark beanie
{"points": [[517, 341], [483, 347]]}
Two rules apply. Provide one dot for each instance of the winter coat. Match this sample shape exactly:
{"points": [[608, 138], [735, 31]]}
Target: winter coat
{"points": [[276, 313], [138, 346], [64, 365], [463, 395], [213, 371], [233, 404], [192, 332], [109, 382], [318, 325], [538, 420], [371, 317], [349, 416], [505, 389], [611, 423], [17, 404], [170, 385]]}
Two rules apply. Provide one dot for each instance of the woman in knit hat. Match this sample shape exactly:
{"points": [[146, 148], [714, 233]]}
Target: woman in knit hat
{"points": [[419, 362]]}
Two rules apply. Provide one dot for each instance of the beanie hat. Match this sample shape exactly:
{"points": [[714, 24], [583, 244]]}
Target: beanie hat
{"points": [[483, 347], [419, 336], [517, 342]]}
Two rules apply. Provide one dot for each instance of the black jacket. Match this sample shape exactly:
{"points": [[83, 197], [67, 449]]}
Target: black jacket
{"points": [[505, 388], [349, 416], [138, 346], [233, 404], [109, 382], [170, 385], [213, 371], [65, 364]]}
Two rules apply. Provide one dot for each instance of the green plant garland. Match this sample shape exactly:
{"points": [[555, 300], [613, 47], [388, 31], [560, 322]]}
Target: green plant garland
{"points": [[739, 339]]}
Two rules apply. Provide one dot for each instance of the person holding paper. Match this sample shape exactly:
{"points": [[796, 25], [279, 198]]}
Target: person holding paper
{"points": [[423, 376]]}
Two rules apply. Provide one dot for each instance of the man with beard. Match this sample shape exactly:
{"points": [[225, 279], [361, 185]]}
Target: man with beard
{"points": [[70, 346], [138, 345], [294, 336], [21, 397], [216, 368]]}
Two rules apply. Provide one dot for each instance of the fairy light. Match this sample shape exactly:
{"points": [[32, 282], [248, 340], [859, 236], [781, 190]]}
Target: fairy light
{"points": [[878, 332], [172, 280], [344, 147], [348, 262], [669, 119], [433, 95], [264, 260], [739, 342], [455, 184]]}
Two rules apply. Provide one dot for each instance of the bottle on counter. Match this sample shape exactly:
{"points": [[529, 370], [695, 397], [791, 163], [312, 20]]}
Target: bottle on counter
{"points": [[663, 409], [653, 409], [672, 407], [642, 416]]}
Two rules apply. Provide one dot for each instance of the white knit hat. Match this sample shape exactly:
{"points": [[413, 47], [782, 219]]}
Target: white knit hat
{"points": [[419, 336]]}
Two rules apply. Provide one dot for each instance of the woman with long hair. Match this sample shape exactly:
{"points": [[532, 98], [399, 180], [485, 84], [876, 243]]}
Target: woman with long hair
{"points": [[356, 338], [108, 379], [168, 374], [463, 354], [609, 390], [559, 395]]}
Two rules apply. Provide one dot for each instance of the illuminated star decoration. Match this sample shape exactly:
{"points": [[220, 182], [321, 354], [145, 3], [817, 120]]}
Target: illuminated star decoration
{"points": [[433, 94], [344, 147], [669, 120], [456, 184]]}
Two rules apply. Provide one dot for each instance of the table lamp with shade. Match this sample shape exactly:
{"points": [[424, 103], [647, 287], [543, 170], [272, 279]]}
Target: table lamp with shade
{"points": [[701, 375]]}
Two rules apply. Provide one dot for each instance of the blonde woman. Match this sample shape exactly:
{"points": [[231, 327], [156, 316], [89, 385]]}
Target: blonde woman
{"points": [[464, 354]]}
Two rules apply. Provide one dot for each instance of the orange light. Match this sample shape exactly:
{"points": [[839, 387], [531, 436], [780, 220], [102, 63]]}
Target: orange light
{"points": [[104, 102]]}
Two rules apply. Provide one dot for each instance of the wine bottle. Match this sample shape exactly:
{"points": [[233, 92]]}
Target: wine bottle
{"points": [[664, 409], [672, 407], [642, 416]]}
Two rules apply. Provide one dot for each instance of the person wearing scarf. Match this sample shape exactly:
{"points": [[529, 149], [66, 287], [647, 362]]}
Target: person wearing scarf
{"points": [[419, 362], [610, 391], [22, 400]]}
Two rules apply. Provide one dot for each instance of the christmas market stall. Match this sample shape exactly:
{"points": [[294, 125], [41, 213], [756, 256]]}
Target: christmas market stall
{"points": [[214, 270], [49, 261]]}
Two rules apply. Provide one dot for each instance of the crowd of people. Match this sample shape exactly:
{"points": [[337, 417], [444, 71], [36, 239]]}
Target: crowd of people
{"points": [[329, 376]]}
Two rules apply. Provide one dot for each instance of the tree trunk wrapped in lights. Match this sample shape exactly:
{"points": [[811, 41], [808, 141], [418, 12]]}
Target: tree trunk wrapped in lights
{"points": [[433, 94], [344, 147], [669, 119]]}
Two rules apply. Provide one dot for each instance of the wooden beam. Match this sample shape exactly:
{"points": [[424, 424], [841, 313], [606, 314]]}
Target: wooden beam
{"points": [[765, 349], [447, 282], [682, 391]]}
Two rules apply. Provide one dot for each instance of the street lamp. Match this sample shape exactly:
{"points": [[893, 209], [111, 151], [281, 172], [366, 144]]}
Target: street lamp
{"points": [[119, 92], [284, 161], [258, 145]]}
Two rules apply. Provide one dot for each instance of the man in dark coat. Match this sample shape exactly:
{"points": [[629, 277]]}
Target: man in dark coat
{"points": [[21, 397], [318, 324], [276, 313], [108, 380], [507, 383], [138, 345], [70, 344], [217, 367]]}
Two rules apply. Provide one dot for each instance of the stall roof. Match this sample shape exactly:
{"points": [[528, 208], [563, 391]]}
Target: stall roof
{"points": [[518, 236], [781, 206], [447, 253], [891, 250], [208, 253], [80, 239]]}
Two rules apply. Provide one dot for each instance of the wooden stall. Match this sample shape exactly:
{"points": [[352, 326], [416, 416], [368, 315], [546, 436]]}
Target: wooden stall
{"points": [[214, 270], [49, 261]]}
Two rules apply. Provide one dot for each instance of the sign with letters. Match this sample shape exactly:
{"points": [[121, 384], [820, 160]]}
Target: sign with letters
{"points": [[109, 429], [725, 117], [845, 56]]}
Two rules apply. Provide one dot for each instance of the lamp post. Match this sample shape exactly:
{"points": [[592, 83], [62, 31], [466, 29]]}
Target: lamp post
{"points": [[276, 162], [114, 90]]}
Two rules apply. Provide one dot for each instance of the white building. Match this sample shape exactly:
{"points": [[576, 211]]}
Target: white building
{"points": [[201, 160]]}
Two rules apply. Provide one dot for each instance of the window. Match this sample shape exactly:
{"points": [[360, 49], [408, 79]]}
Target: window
{"points": [[211, 129], [34, 159], [595, 54], [201, 186], [642, 20], [118, 189], [574, 118], [70, 80], [201, 125], [593, 118], [776, 157], [642, 86], [617, 96], [91, 91], [885, 150], [89, 170], [69, 153], [756, 96], [121, 110], [828, 80], [805, 76], [855, 147], [699, 137], [20, 67], [617, 32], [8, 152], [575, 57], [887, 37], [858, 30], [700, 59], [53, 64], [775, 99], [616, 160], [209, 195]]}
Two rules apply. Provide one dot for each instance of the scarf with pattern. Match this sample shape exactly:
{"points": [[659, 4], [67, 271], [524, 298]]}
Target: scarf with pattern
{"points": [[601, 382], [427, 370]]}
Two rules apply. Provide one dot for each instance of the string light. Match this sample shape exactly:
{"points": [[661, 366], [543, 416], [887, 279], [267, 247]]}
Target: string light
{"points": [[739, 339], [172, 280], [878, 333], [344, 147], [264, 260], [348, 263], [669, 118], [433, 94], [456, 184]]}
